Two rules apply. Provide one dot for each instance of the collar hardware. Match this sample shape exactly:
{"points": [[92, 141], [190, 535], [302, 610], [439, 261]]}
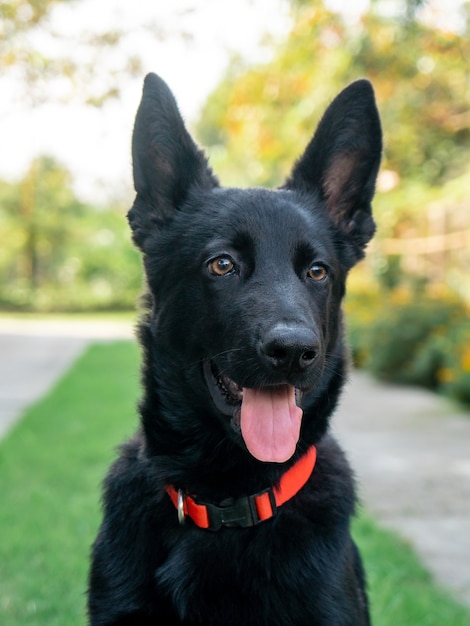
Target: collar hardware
{"points": [[248, 510], [181, 508], [242, 512]]}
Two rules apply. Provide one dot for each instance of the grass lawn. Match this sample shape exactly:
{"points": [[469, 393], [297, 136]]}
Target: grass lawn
{"points": [[51, 467]]}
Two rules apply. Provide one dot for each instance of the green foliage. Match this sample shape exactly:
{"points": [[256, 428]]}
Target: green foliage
{"points": [[421, 81], [421, 341], [60, 254], [428, 229], [402, 343], [23, 14], [454, 373], [28, 39], [267, 113]]}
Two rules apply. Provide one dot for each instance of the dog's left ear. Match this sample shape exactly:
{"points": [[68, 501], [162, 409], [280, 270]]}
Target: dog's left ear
{"points": [[342, 160]]}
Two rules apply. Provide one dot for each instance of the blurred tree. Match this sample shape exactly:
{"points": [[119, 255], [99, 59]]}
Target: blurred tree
{"points": [[59, 253], [41, 215], [421, 76], [56, 57], [20, 15], [57, 65], [264, 116]]}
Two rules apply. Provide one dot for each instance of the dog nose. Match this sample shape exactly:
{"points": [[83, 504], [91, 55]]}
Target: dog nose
{"points": [[289, 348]]}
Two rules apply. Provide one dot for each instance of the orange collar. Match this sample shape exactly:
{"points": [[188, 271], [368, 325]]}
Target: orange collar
{"points": [[247, 510]]}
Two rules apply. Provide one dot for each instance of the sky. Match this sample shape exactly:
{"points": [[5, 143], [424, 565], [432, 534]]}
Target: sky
{"points": [[94, 143]]}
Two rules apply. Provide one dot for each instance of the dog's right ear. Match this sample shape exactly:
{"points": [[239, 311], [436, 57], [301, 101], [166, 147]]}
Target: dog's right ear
{"points": [[166, 162]]}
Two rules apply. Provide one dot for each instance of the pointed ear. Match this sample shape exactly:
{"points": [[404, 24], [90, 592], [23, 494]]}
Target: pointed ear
{"points": [[166, 162], [342, 160]]}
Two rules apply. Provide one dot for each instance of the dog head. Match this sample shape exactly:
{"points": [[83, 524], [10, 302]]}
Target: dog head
{"points": [[246, 284]]}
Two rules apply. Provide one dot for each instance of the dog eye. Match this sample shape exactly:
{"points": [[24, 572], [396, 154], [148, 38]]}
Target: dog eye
{"points": [[221, 266], [317, 273]]}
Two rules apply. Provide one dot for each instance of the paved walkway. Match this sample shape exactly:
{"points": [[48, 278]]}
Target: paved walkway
{"points": [[34, 354], [411, 453], [410, 449]]}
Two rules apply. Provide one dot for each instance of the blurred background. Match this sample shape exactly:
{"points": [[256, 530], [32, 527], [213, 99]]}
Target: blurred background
{"points": [[252, 79]]}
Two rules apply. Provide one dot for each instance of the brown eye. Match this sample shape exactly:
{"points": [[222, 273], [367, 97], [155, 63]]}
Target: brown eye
{"points": [[221, 266], [317, 273]]}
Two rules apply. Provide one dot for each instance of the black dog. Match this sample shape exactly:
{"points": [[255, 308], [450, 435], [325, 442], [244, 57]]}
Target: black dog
{"points": [[232, 505]]}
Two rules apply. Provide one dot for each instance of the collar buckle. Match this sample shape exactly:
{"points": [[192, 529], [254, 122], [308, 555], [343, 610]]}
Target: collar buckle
{"points": [[241, 512]]}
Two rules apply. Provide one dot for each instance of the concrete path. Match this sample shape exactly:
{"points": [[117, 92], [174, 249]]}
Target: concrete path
{"points": [[410, 449], [34, 354]]}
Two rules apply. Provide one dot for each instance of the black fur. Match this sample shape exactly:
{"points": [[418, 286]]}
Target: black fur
{"points": [[272, 321]]}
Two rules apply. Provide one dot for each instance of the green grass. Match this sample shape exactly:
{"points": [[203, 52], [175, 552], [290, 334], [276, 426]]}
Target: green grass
{"points": [[401, 591], [51, 467]]}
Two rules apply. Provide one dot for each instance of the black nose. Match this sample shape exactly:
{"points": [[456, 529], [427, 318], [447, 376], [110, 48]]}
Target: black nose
{"points": [[289, 348]]}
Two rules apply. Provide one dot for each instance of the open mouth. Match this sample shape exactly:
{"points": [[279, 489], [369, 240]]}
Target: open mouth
{"points": [[268, 419], [225, 392]]}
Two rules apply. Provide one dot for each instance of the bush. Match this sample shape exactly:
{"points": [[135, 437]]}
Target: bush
{"points": [[403, 346], [422, 342], [454, 373]]}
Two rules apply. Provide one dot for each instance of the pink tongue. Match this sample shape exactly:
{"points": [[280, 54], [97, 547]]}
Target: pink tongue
{"points": [[270, 423]]}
